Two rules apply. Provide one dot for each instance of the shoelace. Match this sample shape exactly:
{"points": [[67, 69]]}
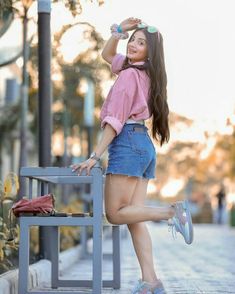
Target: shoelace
{"points": [[171, 227]]}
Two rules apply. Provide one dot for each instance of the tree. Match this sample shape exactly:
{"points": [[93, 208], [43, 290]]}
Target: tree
{"points": [[73, 5], [20, 9], [86, 64]]}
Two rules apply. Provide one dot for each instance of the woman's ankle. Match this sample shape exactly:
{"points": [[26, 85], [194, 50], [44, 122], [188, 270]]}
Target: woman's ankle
{"points": [[150, 279], [153, 283], [171, 211]]}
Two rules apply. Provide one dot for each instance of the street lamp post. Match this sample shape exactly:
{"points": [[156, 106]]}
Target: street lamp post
{"points": [[44, 102], [44, 88]]}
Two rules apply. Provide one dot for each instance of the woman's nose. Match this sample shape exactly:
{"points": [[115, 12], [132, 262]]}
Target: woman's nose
{"points": [[132, 46]]}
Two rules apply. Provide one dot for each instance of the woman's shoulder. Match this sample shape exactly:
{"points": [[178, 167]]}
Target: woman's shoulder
{"points": [[129, 72]]}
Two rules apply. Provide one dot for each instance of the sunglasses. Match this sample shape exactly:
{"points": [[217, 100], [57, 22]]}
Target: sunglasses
{"points": [[150, 29]]}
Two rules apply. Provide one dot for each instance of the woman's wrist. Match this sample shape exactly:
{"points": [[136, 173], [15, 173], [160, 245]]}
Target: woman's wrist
{"points": [[118, 33], [94, 156], [119, 29]]}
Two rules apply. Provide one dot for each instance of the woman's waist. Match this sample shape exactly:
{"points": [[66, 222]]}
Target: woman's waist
{"points": [[132, 121], [134, 126]]}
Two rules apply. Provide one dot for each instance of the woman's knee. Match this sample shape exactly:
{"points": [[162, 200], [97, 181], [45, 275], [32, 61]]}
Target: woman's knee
{"points": [[113, 218]]}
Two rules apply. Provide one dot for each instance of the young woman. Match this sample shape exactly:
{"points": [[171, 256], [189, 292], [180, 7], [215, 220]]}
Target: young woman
{"points": [[139, 93]]}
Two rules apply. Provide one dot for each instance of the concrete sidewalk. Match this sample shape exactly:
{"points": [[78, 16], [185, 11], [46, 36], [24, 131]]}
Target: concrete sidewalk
{"points": [[207, 266]]}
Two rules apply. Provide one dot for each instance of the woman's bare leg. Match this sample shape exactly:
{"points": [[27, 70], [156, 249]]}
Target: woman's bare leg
{"points": [[143, 249], [140, 236], [124, 197], [119, 191]]}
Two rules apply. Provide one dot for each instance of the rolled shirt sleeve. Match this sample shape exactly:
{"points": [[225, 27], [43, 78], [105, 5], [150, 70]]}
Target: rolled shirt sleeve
{"points": [[117, 107], [117, 63]]}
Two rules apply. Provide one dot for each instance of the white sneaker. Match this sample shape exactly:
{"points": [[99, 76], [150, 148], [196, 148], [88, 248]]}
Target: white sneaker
{"points": [[146, 288], [182, 221]]}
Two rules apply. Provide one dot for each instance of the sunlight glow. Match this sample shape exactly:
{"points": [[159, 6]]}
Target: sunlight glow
{"points": [[57, 143], [210, 144], [172, 187], [230, 198], [152, 188], [73, 43], [76, 147]]}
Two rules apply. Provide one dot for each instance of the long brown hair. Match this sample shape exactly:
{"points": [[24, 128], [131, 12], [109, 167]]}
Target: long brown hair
{"points": [[155, 68]]}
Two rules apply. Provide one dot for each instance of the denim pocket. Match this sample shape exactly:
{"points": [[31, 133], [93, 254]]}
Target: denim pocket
{"points": [[138, 141]]}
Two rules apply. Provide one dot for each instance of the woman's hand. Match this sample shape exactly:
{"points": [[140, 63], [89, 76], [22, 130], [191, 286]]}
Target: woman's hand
{"points": [[88, 164], [130, 24]]}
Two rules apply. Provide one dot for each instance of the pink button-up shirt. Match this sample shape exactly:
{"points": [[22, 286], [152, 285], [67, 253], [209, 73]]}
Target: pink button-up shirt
{"points": [[127, 98]]}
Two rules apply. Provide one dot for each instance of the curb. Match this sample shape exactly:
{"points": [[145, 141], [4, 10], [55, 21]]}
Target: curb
{"points": [[39, 272]]}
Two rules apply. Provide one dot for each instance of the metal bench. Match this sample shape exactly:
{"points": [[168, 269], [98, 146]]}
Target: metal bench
{"points": [[53, 175]]}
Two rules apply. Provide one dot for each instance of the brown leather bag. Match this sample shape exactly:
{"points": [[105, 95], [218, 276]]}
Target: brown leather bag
{"points": [[42, 204]]}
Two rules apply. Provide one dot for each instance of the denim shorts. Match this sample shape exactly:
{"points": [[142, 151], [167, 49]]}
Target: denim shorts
{"points": [[132, 153]]}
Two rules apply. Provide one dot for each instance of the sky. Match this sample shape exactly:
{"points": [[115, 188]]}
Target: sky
{"points": [[199, 44]]}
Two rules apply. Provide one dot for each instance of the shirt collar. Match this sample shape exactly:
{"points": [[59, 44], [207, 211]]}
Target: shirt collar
{"points": [[136, 63]]}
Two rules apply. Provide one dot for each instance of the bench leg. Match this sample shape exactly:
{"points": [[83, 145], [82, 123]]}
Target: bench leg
{"points": [[23, 257], [54, 255], [84, 239], [97, 258], [116, 257]]}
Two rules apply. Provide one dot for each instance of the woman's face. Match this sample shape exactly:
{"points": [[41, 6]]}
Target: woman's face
{"points": [[137, 47]]}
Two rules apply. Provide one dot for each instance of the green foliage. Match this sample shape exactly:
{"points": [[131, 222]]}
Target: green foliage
{"points": [[65, 91], [9, 229], [5, 5], [73, 5], [87, 64], [226, 143], [8, 122], [8, 118]]}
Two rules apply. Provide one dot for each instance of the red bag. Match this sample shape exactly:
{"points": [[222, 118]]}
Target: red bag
{"points": [[41, 204]]}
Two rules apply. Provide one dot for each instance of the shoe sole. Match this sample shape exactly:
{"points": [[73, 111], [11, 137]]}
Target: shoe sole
{"points": [[189, 224], [160, 291]]}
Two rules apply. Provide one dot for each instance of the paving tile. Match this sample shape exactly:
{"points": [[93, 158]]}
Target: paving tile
{"points": [[207, 266]]}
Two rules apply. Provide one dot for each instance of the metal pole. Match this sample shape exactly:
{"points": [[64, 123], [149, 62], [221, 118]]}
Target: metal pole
{"points": [[44, 92], [89, 114], [24, 106], [44, 101], [89, 122], [89, 140]]}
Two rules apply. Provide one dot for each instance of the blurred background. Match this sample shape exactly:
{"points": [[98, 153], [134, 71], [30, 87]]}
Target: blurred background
{"points": [[199, 161]]}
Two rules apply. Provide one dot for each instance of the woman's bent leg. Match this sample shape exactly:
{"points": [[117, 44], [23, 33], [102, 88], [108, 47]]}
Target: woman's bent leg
{"points": [[128, 194], [120, 209]]}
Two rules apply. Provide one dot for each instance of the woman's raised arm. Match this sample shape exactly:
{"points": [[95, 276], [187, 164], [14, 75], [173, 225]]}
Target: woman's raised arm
{"points": [[110, 48]]}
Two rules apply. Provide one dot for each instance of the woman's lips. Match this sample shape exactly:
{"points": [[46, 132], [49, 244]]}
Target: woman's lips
{"points": [[131, 51]]}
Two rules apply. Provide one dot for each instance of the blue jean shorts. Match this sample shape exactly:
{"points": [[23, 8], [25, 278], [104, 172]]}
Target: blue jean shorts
{"points": [[132, 153]]}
